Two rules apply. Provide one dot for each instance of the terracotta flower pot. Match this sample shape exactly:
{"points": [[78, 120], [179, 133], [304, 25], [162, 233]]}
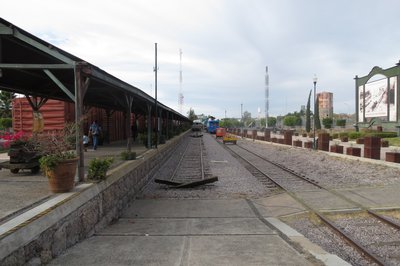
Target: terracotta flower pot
{"points": [[62, 177]]}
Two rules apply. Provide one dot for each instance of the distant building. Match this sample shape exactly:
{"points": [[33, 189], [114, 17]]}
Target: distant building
{"points": [[325, 104]]}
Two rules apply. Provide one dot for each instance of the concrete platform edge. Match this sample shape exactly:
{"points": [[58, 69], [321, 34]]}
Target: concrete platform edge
{"points": [[315, 250], [105, 200]]}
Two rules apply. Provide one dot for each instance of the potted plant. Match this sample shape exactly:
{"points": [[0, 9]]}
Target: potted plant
{"points": [[59, 159]]}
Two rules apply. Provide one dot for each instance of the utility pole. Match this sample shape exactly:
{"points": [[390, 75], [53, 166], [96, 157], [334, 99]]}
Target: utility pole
{"points": [[155, 94], [180, 96], [266, 96]]}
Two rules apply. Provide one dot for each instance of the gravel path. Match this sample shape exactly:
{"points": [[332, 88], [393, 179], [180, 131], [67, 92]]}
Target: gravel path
{"points": [[330, 171], [234, 181]]}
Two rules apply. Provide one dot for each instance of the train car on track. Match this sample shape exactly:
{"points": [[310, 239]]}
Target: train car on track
{"points": [[197, 125], [212, 126]]}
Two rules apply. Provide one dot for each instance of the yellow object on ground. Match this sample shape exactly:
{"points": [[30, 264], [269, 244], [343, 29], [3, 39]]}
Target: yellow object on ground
{"points": [[229, 138]]}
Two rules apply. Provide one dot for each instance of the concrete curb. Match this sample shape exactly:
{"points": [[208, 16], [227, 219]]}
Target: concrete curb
{"points": [[327, 258]]}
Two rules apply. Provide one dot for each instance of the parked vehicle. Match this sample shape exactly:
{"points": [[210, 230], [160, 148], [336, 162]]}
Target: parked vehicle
{"points": [[212, 126]]}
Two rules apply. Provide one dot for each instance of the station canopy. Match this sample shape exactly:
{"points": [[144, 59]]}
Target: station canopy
{"points": [[34, 67]]}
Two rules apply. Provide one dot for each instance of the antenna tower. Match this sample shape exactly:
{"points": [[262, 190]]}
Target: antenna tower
{"points": [[266, 96], [180, 96]]}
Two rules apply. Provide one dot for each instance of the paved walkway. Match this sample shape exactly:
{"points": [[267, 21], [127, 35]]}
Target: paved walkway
{"points": [[192, 232], [19, 192]]}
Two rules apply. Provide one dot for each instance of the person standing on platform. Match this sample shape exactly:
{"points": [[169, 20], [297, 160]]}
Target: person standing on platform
{"points": [[94, 132]]}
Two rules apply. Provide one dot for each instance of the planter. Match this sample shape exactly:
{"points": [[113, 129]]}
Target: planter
{"points": [[19, 154], [344, 139], [360, 141], [393, 157], [337, 149], [297, 143], [62, 177], [384, 143], [308, 144], [353, 151], [323, 141]]}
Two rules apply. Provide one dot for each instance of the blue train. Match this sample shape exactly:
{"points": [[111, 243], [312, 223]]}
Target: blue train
{"points": [[212, 126]]}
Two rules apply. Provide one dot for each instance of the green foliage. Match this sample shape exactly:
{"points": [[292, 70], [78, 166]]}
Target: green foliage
{"points": [[98, 168], [229, 122], [355, 135], [381, 134], [327, 122], [308, 114], [6, 103], [271, 121], [341, 122], [335, 135], [393, 141], [128, 155], [50, 161], [191, 115], [291, 121], [316, 115], [5, 123]]}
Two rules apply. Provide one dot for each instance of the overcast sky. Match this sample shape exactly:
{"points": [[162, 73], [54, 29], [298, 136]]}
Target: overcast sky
{"points": [[226, 45]]}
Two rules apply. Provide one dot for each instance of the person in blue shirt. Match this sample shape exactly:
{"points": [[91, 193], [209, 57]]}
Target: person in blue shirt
{"points": [[94, 131]]}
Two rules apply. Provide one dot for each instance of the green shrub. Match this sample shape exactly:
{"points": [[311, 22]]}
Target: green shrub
{"points": [[126, 155], [335, 135], [355, 135], [382, 134], [343, 134], [327, 122], [341, 122], [5, 123], [98, 168]]}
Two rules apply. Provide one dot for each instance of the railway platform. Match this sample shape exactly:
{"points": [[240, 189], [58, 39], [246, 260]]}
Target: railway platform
{"points": [[187, 231], [195, 232]]}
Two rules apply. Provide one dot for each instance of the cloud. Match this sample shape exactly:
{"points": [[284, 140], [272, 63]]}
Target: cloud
{"points": [[226, 46]]}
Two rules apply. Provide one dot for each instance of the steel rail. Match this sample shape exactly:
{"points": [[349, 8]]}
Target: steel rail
{"points": [[180, 162], [363, 250], [201, 159]]}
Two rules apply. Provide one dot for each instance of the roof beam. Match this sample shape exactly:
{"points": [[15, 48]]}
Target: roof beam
{"points": [[53, 52], [36, 66], [59, 84]]}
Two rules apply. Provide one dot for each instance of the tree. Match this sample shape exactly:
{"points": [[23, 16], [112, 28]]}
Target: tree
{"points": [[191, 115], [341, 122], [291, 120], [6, 103], [262, 121], [327, 122], [229, 122], [271, 121], [247, 120], [308, 114], [316, 115]]}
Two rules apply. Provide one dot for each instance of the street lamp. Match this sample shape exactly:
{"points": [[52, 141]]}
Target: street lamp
{"points": [[315, 79]]}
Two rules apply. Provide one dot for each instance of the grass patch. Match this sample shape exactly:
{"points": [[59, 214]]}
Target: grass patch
{"points": [[393, 141]]}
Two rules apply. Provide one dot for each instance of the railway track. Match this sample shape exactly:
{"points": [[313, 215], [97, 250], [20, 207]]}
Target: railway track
{"points": [[188, 166], [375, 236]]}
